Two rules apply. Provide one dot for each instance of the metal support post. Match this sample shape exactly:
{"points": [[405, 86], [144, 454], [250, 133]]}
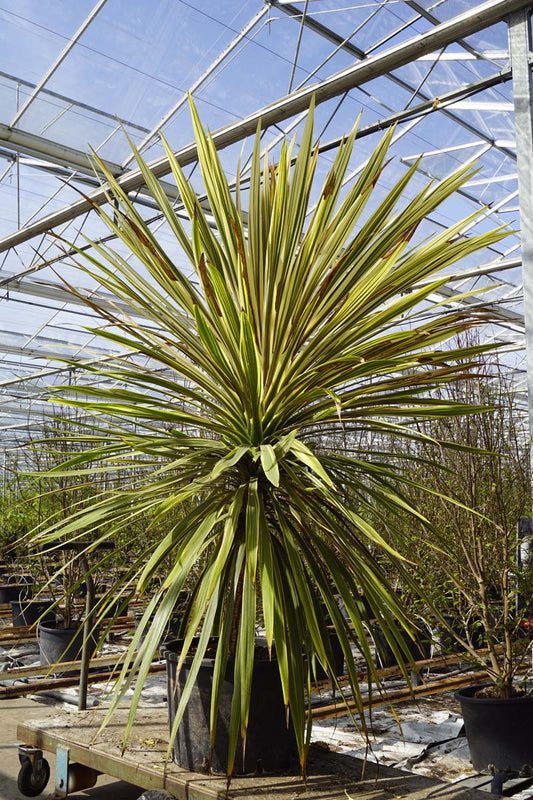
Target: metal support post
{"points": [[88, 626], [520, 47], [62, 765], [524, 568]]}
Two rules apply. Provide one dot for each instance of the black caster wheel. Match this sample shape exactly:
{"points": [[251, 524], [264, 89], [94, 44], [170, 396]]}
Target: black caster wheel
{"points": [[32, 782]]}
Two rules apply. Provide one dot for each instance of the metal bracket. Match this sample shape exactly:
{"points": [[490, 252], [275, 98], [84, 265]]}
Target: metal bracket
{"points": [[62, 764], [31, 754]]}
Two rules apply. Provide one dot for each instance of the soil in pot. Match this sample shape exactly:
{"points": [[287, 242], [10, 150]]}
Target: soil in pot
{"points": [[28, 612], [270, 743], [57, 644], [419, 649], [499, 730]]}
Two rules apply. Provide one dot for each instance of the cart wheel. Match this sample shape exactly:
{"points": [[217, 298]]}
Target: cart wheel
{"points": [[32, 782]]}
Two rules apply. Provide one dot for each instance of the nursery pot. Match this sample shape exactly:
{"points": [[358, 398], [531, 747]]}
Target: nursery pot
{"points": [[338, 659], [58, 644], [443, 638], [499, 731], [21, 577], [173, 625], [320, 673], [270, 743], [419, 649], [14, 591], [28, 612], [114, 609], [445, 641]]}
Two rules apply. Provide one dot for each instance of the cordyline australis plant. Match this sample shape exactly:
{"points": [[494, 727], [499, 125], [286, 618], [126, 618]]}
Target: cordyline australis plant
{"points": [[292, 328]]}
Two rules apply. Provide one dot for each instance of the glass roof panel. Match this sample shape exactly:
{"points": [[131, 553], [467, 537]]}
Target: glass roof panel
{"points": [[33, 33], [133, 65]]}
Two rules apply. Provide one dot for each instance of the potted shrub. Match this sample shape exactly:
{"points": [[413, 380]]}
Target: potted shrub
{"points": [[18, 517], [246, 347], [66, 602], [470, 569], [62, 637]]}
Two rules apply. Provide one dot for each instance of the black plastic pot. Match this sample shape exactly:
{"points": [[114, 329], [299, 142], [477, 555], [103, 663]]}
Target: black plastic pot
{"points": [[22, 577], [419, 649], [14, 591], [58, 644], [338, 659], [28, 612], [270, 744], [115, 609], [499, 731], [173, 625], [445, 641]]}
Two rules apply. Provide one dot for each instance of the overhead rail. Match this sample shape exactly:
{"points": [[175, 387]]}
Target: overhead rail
{"points": [[55, 292], [78, 105], [32, 145]]}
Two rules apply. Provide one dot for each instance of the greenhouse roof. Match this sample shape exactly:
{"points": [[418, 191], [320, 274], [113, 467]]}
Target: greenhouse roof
{"points": [[453, 75]]}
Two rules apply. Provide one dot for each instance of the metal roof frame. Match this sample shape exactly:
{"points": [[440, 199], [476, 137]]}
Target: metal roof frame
{"points": [[488, 13], [36, 152]]}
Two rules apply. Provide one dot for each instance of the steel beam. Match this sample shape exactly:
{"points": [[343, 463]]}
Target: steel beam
{"points": [[350, 48], [482, 55], [356, 52], [423, 12], [11, 411], [30, 144], [139, 197], [472, 21], [475, 272], [46, 348], [499, 315], [56, 293], [520, 47], [427, 107]]}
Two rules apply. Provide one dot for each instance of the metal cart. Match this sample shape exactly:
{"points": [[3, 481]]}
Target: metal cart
{"points": [[82, 755]]}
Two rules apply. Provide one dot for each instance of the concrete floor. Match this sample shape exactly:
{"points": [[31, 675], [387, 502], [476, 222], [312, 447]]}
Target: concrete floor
{"points": [[12, 712]]}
